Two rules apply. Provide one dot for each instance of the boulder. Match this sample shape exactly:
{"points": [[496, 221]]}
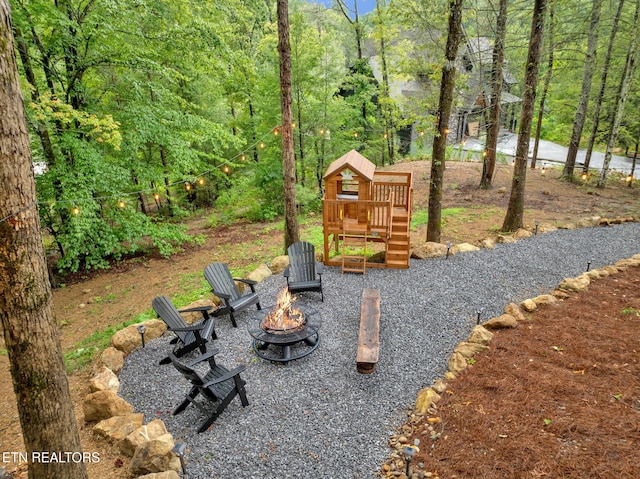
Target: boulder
{"points": [[505, 239], [514, 310], [501, 322], [279, 263], [104, 380], [559, 294], [260, 273], [481, 335], [589, 222], [439, 386], [544, 299], [457, 363], [116, 428], [142, 434], [488, 243], [103, 405], [469, 350], [429, 250], [546, 228], [128, 339], [113, 359], [427, 398], [568, 226], [610, 269], [464, 248], [155, 456], [623, 264], [529, 305], [522, 233], [578, 284]]}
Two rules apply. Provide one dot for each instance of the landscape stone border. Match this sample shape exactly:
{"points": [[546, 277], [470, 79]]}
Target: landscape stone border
{"points": [[150, 445]]}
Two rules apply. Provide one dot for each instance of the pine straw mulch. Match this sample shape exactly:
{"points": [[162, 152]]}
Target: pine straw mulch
{"points": [[559, 396]]}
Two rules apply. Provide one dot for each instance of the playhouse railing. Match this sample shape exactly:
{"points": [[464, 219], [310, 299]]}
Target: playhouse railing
{"points": [[378, 213], [398, 183]]}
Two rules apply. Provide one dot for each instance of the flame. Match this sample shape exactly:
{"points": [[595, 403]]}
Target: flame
{"points": [[284, 317]]}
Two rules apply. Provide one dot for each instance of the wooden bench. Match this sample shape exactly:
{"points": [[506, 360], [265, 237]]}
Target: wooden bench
{"points": [[369, 338]]}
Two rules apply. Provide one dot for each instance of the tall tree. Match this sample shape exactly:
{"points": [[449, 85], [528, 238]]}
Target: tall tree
{"points": [[603, 85], [489, 162], [30, 331], [515, 211], [583, 102], [291, 231], [546, 84], [434, 222], [621, 97]]}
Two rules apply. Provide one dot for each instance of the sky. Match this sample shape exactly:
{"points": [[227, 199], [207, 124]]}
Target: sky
{"points": [[364, 6]]}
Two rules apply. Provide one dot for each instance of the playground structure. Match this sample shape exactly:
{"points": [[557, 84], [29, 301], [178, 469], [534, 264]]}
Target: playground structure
{"points": [[361, 206]]}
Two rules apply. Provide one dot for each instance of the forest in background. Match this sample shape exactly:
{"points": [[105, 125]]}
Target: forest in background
{"points": [[142, 112]]}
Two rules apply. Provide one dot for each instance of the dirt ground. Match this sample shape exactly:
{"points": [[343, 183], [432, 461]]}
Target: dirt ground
{"points": [[92, 302]]}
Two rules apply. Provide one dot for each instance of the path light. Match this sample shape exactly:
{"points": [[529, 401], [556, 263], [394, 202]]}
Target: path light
{"points": [[141, 329], [479, 313], [179, 450], [409, 452], [588, 265], [449, 245], [535, 233]]}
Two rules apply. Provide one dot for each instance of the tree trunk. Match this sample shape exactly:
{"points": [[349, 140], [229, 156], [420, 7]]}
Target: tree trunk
{"points": [[545, 88], [603, 85], [587, 78], [621, 97], [434, 226], [489, 163], [291, 232], [30, 332], [389, 123], [515, 211]]}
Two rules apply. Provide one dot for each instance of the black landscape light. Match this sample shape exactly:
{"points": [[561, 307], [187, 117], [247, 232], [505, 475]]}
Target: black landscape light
{"points": [[479, 313], [535, 233], [409, 452], [588, 265], [179, 450], [449, 245], [141, 329]]}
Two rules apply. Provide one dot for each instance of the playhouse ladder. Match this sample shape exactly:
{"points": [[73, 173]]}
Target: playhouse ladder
{"points": [[398, 250], [354, 236]]}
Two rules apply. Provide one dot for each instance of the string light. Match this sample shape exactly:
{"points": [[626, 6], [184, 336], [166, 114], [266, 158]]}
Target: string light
{"points": [[156, 196], [584, 177], [629, 178], [446, 131], [322, 131], [262, 145], [355, 135], [121, 203], [201, 181], [225, 168], [243, 157], [276, 132], [75, 210], [422, 133], [187, 186]]}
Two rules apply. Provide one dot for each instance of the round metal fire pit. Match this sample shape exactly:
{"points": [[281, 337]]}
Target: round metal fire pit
{"points": [[285, 346]]}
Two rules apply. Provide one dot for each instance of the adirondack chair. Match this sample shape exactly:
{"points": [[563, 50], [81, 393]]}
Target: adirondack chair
{"points": [[187, 337], [219, 386], [224, 287], [304, 273]]}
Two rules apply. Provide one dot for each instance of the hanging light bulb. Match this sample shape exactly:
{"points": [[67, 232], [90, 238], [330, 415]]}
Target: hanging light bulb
{"points": [[187, 186], [276, 132], [156, 196], [121, 204], [243, 158], [355, 135], [584, 177], [75, 210], [629, 178], [322, 131], [446, 131], [262, 145], [385, 136], [225, 168], [422, 133], [201, 181]]}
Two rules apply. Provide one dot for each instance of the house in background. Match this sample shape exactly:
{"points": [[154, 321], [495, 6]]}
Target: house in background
{"points": [[475, 57]]}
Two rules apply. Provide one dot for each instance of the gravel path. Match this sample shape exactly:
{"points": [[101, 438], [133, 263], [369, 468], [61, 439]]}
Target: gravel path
{"points": [[317, 417]]}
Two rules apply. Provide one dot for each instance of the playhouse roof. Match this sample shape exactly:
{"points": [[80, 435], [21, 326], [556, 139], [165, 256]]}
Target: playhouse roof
{"points": [[353, 161]]}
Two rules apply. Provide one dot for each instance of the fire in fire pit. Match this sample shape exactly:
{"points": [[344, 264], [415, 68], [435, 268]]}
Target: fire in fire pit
{"points": [[284, 318]]}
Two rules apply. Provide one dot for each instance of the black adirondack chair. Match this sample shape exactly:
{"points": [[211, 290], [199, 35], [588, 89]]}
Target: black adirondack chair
{"points": [[304, 273], [187, 337], [224, 287], [218, 387]]}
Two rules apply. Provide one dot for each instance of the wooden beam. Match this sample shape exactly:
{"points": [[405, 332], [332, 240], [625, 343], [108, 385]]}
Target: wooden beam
{"points": [[369, 338]]}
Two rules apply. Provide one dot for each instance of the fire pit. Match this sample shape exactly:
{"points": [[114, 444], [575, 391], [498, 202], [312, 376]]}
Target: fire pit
{"points": [[293, 332]]}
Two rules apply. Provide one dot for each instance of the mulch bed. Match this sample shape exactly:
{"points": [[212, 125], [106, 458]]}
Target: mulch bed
{"points": [[559, 396]]}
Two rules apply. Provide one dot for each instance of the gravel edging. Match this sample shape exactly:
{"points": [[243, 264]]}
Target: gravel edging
{"points": [[318, 417]]}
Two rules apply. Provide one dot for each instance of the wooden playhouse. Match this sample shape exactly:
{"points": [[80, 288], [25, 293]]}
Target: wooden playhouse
{"points": [[361, 206]]}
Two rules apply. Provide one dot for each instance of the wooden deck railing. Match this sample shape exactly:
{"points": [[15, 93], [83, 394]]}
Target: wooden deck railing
{"points": [[397, 182], [378, 213]]}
